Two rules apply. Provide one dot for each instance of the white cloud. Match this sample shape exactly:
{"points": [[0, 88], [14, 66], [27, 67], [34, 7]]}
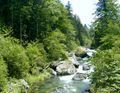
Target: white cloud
{"points": [[84, 9]]}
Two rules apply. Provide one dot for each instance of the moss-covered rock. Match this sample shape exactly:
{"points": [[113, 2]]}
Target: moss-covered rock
{"points": [[65, 68], [80, 52]]}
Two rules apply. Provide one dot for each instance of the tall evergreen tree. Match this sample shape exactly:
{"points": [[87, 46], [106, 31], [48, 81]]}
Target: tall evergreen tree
{"points": [[107, 10]]}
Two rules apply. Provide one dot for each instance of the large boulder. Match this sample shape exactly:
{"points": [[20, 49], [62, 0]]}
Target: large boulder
{"points": [[80, 76], [65, 68], [81, 52]]}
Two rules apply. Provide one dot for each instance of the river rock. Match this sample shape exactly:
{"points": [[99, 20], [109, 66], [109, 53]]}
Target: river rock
{"points": [[54, 64], [74, 61], [53, 72], [90, 52], [79, 76], [81, 52], [78, 58], [86, 67], [70, 54], [24, 83], [86, 91], [66, 68]]}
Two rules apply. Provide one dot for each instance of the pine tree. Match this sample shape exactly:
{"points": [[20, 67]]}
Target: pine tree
{"points": [[107, 11]]}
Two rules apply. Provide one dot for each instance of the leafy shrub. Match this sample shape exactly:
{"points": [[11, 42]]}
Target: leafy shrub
{"points": [[37, 57], [14, 56], [4, 30], [112, 37], [54, 45], [36, 81], [106, 78], [3, 74], [71, 45]]}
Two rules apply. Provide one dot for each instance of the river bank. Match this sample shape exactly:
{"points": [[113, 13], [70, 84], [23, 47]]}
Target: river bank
{"points": [[66, 76], [27, 85]]}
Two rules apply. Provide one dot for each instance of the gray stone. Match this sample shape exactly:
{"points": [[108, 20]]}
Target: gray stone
{"points": [[79, 76], [66, 68], [86, 67], [25, 84], [54, 64], [74, 61], [53, 72]]}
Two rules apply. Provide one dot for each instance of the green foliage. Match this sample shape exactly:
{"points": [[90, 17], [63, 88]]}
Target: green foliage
{"points": [[37, 57], [36, 81], [49, 23], [107, 11], [14, 56], [79, 29], [112, 38], [30, 21], [54, 45], [109, 41], [106, 76], [4, 29], [3, 74], [35, 19]]}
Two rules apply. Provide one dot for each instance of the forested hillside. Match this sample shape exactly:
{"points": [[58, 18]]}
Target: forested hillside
{"points": [[34, 33]]}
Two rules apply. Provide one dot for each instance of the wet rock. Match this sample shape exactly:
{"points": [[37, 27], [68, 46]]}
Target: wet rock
{"points": [[78, 58], [53, 72], [24, 83], [84, 55], [54, 64], [81, 52], [74, 61], [86, 67], [76, 65], [86, 91], [90, 52], [79, 76], [65, 68]]}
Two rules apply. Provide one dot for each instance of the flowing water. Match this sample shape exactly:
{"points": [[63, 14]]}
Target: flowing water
{"points": [[65, 84]]}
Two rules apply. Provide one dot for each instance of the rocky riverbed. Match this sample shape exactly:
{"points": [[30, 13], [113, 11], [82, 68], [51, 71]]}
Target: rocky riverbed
{"points": [[72, 75], [68, 76]]}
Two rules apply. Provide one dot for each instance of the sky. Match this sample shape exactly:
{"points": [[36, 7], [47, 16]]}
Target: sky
{"points": [[84, 9]]}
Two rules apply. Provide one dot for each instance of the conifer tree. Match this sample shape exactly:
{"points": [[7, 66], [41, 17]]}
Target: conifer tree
{"points": [[107, 11]]}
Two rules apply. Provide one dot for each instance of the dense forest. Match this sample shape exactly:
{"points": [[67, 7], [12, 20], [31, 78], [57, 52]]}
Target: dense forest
{"points": [[106, 78], [33, 33]]}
